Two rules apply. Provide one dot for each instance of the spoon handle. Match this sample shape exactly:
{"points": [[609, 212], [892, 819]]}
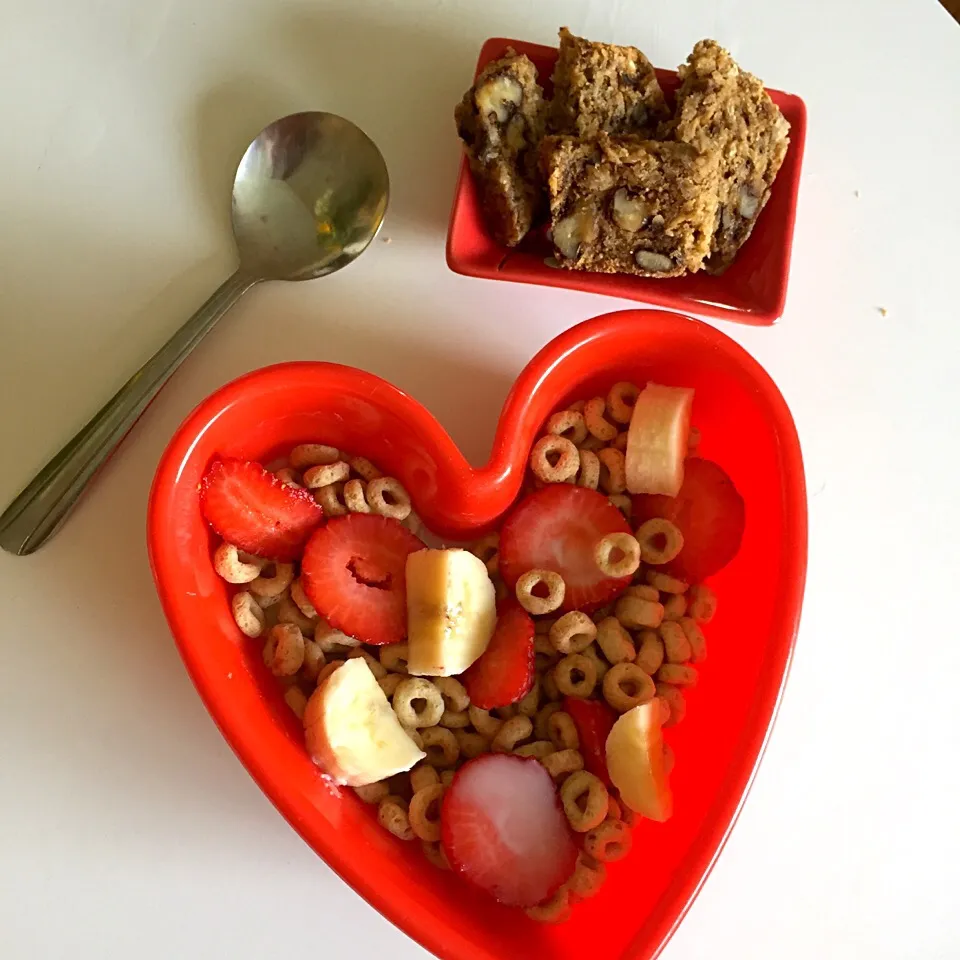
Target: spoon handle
{"points": [[44, 504]]}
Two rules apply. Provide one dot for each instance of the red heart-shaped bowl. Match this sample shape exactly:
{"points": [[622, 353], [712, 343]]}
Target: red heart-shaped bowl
{"points": [[746, 427]]}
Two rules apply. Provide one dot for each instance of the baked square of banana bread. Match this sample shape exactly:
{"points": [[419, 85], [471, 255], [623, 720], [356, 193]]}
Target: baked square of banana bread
{"points": [[722, 107], [628, 205], [603, 88], [500, 121]]}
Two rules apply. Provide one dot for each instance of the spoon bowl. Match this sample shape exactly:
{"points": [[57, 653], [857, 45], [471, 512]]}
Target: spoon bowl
{"points": [[310, 194]]}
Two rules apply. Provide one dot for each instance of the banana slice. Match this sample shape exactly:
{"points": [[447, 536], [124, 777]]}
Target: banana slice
{"points": [[657, 439], [351, 730], [635, 762], [451, 611]]}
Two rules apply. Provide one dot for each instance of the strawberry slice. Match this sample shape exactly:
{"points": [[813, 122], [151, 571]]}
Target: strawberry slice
{"points": [[353, 572], [505, 671], [557, 528], [255, 511], [710, 514], [502, 829], [594, 720]]}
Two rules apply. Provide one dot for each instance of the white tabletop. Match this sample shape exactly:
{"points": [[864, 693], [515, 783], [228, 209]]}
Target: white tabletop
{"points": [[129, 829]]}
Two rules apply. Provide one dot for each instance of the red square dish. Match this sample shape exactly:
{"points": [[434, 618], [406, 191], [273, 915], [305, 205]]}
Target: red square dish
{"points": [[753, 290]]}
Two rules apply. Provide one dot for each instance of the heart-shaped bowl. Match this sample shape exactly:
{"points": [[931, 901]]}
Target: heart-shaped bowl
{"points": [[746, 427]]}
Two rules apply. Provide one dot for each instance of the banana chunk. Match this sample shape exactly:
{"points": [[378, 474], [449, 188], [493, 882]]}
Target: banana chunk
{"points": [[451, 611]]}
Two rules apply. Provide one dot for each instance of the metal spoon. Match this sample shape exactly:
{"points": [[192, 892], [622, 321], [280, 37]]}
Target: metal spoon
{"points": [[309, 196]]}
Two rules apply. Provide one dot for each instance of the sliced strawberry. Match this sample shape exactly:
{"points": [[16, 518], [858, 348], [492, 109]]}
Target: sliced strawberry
{"points": [[594, 720], [710, 514], [255, 511], [557, 528], [505, 671], [353, 572], [503, 830]]}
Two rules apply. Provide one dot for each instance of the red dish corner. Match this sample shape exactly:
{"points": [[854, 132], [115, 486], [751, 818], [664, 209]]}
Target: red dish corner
{"points": [[753, 290], [746, 428]]}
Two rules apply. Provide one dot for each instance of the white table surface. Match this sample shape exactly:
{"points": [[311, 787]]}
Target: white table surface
{"points": [[127, 826]]}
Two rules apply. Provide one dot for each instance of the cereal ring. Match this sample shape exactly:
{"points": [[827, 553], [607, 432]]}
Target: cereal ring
{"points": [[577, 406], [675, 701], [623, 503], [483, 721], [572, 633], [422, 776], [376, 668], [669, 759], [588, 876], [541, 638], [234, 566], [424, 812], [660, 541], [455, 719], [635, 613], [540, 723], [471, 744], [592, 445], [329, 499], [698, 642], [554, 459], [674, 606], [434, 853], [289, 612], [651, 653], [703, 603], [513, 731], [599, 662], [678, 675], [388, 498], [599, 428], [440, 746], [283, 651], [693, 441], [576, 675], [617, 555], [620, 401], [267, 588], [568, 424], [372, 792], [614, 641], [620, 442], [541, 749], [613, 470], [417, 703], [390, 682], [313, 660], [487, 548], [608, 841], [394, 657], [363, 468], [589, 475], [555, 910], [392, 814], [664, 710], [626, 686], [543, 579], [529, 703], [454, 693], [665, 583], [549, 688], [563, 731], [300, 598], [289, 477], [563, 762], [644, 591], [414, 734], [446, 777], [326, 474], [333, 641], [312, 455], [613, 811], [584, 799], [247, 614], [327, 669], [296, 700], [676, 646], [354, 497]]}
